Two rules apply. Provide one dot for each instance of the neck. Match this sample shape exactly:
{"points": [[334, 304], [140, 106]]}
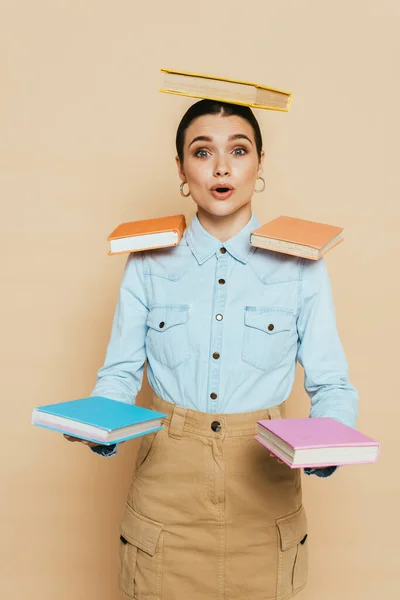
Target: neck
{"points": [[226, 226]]}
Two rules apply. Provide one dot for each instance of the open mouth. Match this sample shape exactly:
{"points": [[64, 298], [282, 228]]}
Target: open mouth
{"points": [[222, 192]]}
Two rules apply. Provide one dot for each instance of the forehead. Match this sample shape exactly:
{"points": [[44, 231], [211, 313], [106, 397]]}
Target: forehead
{"points": [[218, 127]]}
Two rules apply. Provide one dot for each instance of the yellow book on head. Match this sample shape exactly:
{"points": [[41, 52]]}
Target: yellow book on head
{"points": [[221, 89]]}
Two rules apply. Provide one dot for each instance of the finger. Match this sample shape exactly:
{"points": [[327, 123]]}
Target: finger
{"points": [[71, 438], [91, 444], [278, 459]]}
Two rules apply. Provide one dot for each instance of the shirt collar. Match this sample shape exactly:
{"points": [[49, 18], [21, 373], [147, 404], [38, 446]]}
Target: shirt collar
{"points": [[204, 245]]}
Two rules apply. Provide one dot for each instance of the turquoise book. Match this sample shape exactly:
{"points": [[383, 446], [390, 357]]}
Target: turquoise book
{"points": [[98, 419]]}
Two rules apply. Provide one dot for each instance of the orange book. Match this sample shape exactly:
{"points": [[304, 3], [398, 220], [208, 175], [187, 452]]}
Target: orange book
{"points": [[298, 237], [147, 234]]}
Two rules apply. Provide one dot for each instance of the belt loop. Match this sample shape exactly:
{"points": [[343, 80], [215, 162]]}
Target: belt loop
{"points": [[278, 411], [177, 423]]}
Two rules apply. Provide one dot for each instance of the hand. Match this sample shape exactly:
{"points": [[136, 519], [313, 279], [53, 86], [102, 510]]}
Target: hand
{"points": [[71, 438], [278, 459]]}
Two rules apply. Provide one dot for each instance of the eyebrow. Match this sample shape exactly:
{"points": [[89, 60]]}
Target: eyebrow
{"points": [[206, 138]]}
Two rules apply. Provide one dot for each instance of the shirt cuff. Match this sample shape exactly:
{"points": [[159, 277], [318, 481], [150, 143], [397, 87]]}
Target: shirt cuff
{"points": [[323, 472], [107, 451]]}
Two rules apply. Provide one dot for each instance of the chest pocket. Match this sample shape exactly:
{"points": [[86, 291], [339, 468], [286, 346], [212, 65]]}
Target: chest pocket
{"points": [[269, 334], [167, 339]]}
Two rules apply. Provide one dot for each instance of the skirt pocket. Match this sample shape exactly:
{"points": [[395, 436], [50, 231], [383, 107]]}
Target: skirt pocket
{"points": [[292, 554], [140, 556], [147, 448]]}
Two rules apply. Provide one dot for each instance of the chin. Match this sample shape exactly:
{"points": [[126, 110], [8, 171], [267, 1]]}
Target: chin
{"points": [[223, 207]]}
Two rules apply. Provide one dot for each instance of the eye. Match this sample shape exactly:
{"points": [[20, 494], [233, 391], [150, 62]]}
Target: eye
{"points": [[242, 151], [198, 153]]}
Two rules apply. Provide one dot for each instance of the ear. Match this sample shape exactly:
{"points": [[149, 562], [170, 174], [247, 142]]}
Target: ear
{"points": [[261, 164], [181, 172]]}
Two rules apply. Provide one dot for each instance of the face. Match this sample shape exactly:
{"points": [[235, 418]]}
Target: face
{"points": [[220, 152]]}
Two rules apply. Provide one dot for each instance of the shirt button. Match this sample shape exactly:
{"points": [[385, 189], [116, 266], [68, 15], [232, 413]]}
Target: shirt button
{"points": [[161, 325], [216, 426], [270, 327], [222, 250], [219, 317], [213, 396], [216, 355], [221, 281]]}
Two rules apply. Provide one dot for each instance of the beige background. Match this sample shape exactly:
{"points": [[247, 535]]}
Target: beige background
{"points": [[87, 142]]}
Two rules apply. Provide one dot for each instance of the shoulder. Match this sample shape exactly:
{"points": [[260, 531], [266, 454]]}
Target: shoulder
{"points": [[315, 281], [169, 263], [276, 267], [314, 272]]}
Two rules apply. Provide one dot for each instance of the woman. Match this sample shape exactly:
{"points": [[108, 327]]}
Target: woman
{"points": [[210, 513]]}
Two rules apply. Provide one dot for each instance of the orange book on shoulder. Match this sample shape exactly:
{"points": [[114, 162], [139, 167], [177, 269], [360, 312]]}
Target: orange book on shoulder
{"points": [[147, 234], [307, 239]]}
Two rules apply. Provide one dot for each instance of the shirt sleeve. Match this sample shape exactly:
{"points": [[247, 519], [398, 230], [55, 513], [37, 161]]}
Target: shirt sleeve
{"points": [[103, 450], [120, 377], [320, 350], [323, 472]]}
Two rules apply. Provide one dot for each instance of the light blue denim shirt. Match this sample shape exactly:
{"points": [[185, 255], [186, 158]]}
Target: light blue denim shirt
{"points": [[222, 326]]}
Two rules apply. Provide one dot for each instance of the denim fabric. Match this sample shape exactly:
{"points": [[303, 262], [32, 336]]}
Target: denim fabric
{"points": [[323, 472], [110, 450], [222, 325]]}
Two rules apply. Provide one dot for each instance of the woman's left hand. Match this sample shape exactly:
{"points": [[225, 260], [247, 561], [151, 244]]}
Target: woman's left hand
{"points": [[278, 459]]}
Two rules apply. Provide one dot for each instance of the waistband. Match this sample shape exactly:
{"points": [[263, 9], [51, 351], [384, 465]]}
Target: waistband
{"points": [[180, 420]]}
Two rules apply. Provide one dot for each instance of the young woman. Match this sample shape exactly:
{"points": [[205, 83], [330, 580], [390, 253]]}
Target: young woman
{"points": [[210, 512]]}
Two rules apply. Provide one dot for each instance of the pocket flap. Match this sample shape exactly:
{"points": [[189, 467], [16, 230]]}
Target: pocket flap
{"points": [[267, 319], [292, 528], [140, 531], [163, 317]]}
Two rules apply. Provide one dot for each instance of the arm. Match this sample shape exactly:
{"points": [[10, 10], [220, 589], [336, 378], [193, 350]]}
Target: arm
{"points": [[320, 352], [120, 377]]}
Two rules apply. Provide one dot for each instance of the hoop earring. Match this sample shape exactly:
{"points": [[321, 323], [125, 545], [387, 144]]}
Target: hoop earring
{"points": [[263, 188], [182, 192]]}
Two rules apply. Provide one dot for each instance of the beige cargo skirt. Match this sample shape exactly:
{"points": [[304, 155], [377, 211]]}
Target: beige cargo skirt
{"points": [[210, 514]]}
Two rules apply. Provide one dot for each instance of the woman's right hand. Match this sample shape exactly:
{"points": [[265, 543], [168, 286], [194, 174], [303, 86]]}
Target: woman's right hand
{"points": [[71, 438]]}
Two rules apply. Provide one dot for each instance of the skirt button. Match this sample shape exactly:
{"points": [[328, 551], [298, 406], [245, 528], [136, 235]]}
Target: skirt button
{"points": [[216, 426]]}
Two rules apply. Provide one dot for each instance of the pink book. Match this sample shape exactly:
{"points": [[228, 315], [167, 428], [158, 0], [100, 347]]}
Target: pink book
{"points": [[316, 442]]}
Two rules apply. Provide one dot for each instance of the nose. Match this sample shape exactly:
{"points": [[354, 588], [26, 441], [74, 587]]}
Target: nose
{"points": [[221, 172], [222, 168]]}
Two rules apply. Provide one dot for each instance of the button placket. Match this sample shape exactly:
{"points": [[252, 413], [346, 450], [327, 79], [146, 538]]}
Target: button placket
{"points": [[217, 328]]}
